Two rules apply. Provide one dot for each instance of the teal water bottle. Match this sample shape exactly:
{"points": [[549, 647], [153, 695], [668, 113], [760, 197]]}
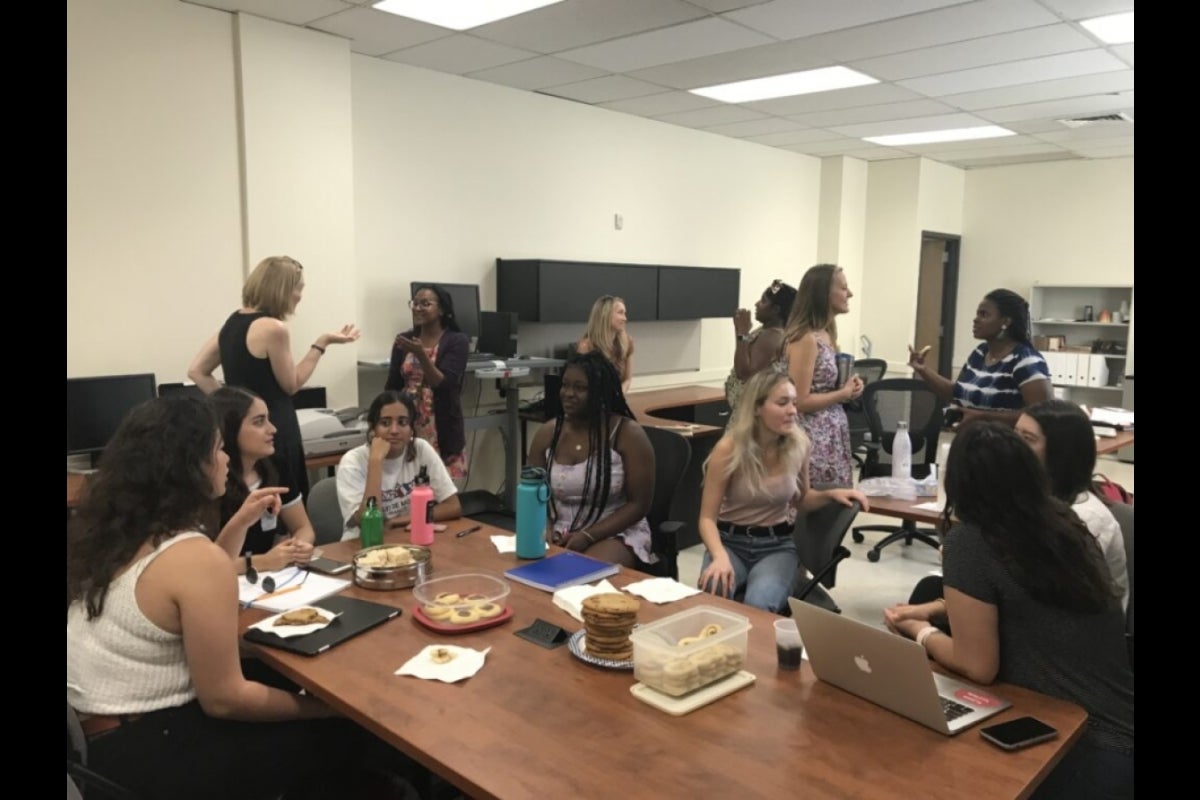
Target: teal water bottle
{"points": [[370, 532], [533, 494]]}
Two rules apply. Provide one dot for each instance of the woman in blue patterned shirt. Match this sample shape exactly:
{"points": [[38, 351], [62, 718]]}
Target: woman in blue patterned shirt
{"points": [[1002, 375]]}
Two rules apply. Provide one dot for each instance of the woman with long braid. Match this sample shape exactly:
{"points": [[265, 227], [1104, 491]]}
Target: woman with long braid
{"points": [[600, 466]]}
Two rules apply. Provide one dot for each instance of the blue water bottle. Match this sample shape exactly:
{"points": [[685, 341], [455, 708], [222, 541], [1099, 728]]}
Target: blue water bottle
{"points": [[533, 494]]}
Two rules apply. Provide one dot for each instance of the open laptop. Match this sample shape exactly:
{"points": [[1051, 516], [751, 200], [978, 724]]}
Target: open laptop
{"points": [[889, 670]]}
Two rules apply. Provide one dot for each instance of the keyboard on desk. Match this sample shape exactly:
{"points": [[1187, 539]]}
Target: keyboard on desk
{"points": [[952, 709], [481, 356]]}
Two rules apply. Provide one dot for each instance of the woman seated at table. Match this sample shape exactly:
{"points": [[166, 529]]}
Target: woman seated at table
{"points": [[754, 481], [762, 347], [387, 467], [600, 467], [261, 524], [152, 630], [1031, 602], [606, 335], [1002, 375]]}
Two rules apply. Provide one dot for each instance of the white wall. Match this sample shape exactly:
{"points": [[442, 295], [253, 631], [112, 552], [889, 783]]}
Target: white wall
{"points": [[842, 235]]}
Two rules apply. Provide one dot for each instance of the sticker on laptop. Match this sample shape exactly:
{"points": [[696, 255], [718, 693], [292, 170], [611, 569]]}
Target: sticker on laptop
{"points": [[976, 698]]}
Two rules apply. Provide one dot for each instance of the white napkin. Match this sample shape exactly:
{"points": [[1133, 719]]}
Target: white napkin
{"points": [[661, 590], [466, 662], [571, 598], [505, 544], [288, 631]]}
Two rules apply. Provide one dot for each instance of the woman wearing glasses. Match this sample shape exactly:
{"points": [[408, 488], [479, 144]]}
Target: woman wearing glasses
{"points": [[255, 349], [758, 349], [606, 335], [428, 362]]}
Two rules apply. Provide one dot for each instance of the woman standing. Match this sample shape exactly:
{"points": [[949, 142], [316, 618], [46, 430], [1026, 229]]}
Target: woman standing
{"points": [[606, 335], [811, 354], [758, 349], [1002, 375], [600, 466], [1030, 602], [254, 347], [755, 479], [428, 363]]}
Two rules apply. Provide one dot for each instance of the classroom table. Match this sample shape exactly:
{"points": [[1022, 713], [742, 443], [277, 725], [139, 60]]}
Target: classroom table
{"points": [[536, 723]]}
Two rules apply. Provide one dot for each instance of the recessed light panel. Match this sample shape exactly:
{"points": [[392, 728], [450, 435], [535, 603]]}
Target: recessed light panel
{"points": [[814, 80], [949, 135], [1113, 29], [460, 14]]}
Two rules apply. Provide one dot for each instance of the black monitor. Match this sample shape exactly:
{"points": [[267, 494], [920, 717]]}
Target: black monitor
{"points": [[96, 406], [466, 303]]}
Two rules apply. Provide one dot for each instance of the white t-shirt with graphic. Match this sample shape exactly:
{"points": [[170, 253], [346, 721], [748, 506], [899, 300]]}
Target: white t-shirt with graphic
{"points": [[399, 478]]}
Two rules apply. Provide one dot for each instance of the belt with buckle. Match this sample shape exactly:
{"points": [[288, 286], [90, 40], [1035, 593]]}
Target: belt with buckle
{"points": [[95, 724], [780, 530]]}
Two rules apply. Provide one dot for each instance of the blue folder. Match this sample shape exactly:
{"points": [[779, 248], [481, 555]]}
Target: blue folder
{"points": [[562, 570]]}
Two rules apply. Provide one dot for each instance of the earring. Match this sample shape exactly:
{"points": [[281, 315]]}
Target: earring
{"points": [[1003, 331]]}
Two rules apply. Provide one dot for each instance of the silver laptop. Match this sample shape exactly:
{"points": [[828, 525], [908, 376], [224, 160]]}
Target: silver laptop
{"points": [[889, 670]]}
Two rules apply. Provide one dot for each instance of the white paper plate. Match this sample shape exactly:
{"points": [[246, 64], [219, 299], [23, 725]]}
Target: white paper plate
{"points": [[576, 644]]}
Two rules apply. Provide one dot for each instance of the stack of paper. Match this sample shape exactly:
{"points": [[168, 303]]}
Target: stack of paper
{"points": [[1119, 418], [287, 596]]}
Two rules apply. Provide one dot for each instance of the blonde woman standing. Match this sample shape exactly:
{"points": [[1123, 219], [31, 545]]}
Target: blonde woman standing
{"points": [[755, 480], [606, 335], [811, 354]]}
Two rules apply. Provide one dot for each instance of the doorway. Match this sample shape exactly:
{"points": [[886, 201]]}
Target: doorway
{"points": [[937, 298]]}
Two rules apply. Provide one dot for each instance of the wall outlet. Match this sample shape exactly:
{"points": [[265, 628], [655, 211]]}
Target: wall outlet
{"points": [[618, 222]]}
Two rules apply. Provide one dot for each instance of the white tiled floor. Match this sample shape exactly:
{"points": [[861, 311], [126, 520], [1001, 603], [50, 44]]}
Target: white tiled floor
{"points": [[864, 589]]}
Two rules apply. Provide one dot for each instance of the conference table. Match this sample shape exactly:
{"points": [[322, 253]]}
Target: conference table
{"points": [[537, 722]]}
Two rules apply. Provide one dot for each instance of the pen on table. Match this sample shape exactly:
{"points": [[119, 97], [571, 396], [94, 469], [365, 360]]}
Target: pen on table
{"points": [[277, 593], [463, 533]]}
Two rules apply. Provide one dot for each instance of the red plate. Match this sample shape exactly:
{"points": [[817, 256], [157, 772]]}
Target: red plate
{"points": [[418, 614]]}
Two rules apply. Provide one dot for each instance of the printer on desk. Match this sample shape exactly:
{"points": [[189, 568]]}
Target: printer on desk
{"points": [[323, 431]]}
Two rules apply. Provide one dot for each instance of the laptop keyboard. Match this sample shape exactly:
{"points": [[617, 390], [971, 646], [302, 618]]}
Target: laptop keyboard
{"points": [[953, 710]]}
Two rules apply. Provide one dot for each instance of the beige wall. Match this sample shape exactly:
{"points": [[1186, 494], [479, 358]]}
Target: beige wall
{"points": [[842, 234]]}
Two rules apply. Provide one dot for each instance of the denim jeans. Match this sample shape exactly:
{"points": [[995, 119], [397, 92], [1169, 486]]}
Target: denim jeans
{"points": [[764, 568]]}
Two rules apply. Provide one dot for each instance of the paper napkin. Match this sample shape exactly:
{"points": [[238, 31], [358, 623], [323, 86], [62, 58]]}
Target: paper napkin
{"points": [[466, 662], [288, 631], [505, 544], [571, 598], [661, 590]]}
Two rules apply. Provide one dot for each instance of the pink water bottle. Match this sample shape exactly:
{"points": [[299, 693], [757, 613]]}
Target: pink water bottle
{"points": [[420, 510]]}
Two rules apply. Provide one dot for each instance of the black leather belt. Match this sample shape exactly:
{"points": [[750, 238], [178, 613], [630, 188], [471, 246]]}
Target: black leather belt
{"points": [[782, 529]]}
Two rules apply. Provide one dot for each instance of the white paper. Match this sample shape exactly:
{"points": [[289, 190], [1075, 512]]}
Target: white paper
{"points": [[315, 587], [466, 662], [936, 505], [505, 544], [290, 631], [571, 598], [661, 590]]}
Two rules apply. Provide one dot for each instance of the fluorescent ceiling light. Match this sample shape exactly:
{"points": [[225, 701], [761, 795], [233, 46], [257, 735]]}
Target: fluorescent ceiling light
{"points": [[1113, 29], [814, 80], [949, 135], [460, 14]]}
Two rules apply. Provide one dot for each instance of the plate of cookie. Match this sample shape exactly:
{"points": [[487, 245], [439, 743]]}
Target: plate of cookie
{"points": [[462, 603], [577, 644]]}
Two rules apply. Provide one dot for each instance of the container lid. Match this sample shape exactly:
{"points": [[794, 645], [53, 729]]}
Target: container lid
{"points": [[533, 475]]}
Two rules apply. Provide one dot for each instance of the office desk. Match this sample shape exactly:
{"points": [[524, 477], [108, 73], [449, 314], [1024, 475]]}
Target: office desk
{"points": [[907, 509], [1111, 444], [537, 723]]}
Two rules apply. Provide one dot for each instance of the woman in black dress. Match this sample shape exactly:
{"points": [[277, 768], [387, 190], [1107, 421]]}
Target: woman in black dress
{"points": [[254, 348]]}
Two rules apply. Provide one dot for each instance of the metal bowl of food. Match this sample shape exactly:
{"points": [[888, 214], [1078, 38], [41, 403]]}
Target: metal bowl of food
{"points": [[392, 566]]}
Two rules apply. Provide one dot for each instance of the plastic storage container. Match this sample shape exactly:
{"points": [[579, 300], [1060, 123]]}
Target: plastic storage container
{"points": [[662, 663]]}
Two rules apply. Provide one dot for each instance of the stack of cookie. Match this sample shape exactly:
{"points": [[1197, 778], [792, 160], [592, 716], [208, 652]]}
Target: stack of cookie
{"points": [[608, 619]]}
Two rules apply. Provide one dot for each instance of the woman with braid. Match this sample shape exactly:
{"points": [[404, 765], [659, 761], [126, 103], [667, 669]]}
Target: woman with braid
{"points": [[600, 466]]}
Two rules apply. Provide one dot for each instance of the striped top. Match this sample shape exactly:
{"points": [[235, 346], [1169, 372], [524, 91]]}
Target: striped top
{"points": [[998, 386]]}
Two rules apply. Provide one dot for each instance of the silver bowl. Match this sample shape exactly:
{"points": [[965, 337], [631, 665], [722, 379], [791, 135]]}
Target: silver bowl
{"points": [[389, 578]]}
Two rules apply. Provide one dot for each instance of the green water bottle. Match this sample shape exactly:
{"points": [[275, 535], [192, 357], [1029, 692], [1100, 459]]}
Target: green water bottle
{"points": [[370, 533]]}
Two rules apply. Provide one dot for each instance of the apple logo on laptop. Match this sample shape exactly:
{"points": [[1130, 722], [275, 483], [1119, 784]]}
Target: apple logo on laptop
{"points": [[862, 663]]}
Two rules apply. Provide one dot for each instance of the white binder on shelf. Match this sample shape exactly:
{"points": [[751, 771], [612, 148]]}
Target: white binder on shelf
{"points": [[1097, 371]]}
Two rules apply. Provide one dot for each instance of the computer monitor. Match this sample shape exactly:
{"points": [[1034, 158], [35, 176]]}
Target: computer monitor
{"points": [[96, 407], [466, 304]]}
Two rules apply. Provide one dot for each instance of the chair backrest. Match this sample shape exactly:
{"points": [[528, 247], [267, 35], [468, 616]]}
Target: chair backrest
{"points": [[325, 513], [1124, 515], [818, 536], [870, 370], [890, 401], [672, 452]]}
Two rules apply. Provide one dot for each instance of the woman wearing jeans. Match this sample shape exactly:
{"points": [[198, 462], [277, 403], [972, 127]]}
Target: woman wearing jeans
{"points": [[755, 480]]}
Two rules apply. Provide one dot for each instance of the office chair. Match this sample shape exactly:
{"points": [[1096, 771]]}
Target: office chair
{"points": [[325, 513], [78, 772], [1124, 515], [819, 538], [886, 403], [672, 452], [870, 370]]}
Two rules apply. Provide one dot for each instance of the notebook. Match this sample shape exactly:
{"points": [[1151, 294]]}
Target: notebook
{"points": [[356, 616], [889, 670], [562, 570], [314, 587]]}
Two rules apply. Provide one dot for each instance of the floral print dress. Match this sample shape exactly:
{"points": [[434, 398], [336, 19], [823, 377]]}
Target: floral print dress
{"points": [[422, 394]]}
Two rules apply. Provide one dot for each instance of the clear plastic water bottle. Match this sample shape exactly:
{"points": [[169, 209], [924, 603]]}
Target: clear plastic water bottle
{"points": [[902, 452], [370, 531], [533, 495]]}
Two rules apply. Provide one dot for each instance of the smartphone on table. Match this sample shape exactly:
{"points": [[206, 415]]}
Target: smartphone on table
{"points": [[328, 566], [1018, 733]]}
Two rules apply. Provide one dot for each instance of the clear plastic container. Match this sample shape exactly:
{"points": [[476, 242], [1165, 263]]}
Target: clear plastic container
{"points": [[472, 589], [661, 662]]}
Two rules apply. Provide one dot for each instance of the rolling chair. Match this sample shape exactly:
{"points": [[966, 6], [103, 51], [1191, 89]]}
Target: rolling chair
{"points": [[672, 452], [325, 513], [887, 402], [870, 370], [819, 538], [79, 776], [1124, 515]]}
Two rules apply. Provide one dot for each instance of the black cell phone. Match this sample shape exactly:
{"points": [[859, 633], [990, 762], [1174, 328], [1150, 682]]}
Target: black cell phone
{"points": [[1018, 733], [328, 566]]}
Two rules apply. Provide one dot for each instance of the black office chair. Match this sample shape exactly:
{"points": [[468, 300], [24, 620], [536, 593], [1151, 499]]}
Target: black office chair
{"points": [[672, 452], [819, 538], [325, 513], [81, 778], [870, 370], [887, 402]]}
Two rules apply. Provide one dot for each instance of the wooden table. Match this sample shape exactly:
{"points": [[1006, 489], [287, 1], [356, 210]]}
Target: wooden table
{"points": [[907, 509], [1111, 444], [539, 723], [658, 407]]}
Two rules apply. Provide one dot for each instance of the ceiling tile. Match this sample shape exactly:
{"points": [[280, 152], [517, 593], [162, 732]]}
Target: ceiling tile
{"points": [[1104, 152], [655, 105], [827, 101], [1099, 135], [827, 146], [1043, 90], [792, 19], [1124, 52], [914, 125], [791, 137], [1030, 70], [374, 33], [707, 117], [458, 54], [754, 127], [1086, 9], [1070, 107], [983, 148], [1002, 161], [877, 153], [537, 73], [600, 90], [294, 12], [752, 62], [717, 6], [849, 116], [689, 40], [575, 23]]}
